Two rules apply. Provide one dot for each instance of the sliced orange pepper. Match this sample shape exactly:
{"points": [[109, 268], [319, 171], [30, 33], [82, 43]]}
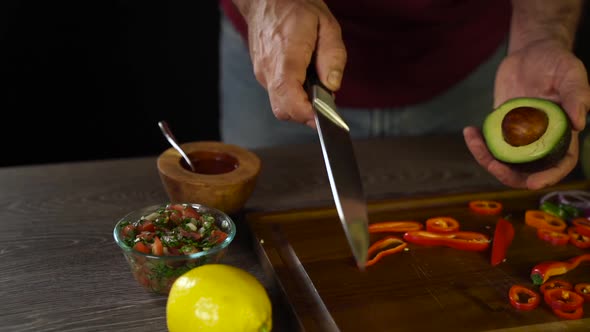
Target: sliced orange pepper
{"points": [[378, 249], [486, 207], [394, 226], [542, 219]]}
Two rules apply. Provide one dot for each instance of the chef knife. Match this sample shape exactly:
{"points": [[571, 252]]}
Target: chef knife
{"points": [[341, 166]]}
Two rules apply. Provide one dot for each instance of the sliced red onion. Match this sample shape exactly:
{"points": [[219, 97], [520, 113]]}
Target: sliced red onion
{"points": [[549, 196], [576, 198]]}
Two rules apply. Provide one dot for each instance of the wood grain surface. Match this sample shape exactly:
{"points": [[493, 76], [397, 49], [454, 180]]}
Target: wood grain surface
{"points": [[62, 271], [426, 288]]}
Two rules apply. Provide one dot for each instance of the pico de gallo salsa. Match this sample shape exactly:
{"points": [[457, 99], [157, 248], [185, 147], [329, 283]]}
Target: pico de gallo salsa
{"points": [[172, 231], [175, 229]]}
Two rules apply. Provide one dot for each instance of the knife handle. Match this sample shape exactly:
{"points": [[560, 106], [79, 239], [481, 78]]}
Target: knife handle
{"points": [[312, 78]]}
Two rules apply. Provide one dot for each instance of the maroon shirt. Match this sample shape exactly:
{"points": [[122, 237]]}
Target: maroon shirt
{"points": [[404, 52]]}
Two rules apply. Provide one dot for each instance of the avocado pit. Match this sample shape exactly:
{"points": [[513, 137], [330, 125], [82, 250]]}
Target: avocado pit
{"points": [[524, 125]]}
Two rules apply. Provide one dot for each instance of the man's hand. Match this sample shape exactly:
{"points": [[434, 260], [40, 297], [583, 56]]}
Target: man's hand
{"points": [[546, 71], [544, 68], [283, 35]]}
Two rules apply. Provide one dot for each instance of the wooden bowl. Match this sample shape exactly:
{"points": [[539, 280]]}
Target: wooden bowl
{"points": [[224, 179]]}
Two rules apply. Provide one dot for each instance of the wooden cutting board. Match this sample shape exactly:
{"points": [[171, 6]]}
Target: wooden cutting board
{"points": [[423, 289]]}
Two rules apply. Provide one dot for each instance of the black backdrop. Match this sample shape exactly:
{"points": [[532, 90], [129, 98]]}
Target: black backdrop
{"points": [[100, 74]]}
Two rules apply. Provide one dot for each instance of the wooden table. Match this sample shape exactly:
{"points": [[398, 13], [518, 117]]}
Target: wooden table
{"points": [[62, 271]]}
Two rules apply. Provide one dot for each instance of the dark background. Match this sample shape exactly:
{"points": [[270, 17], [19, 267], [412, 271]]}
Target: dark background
{"points": [[101, 74], [84, 80]]}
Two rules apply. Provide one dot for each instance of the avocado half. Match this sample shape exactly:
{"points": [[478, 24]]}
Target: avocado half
{"points": [[529, 134]]}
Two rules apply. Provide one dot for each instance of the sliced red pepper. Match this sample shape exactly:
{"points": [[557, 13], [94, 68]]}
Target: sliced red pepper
{"points": [[486, 207], [543, 271], [523, 298], [583, 289], [553, 284], [471, 241], [577, 239], [442, 225], [563, 299], [582, 226], [542, 219], [378, 249], [553, 237], [503, 236], [572, 314], [394, 226]]}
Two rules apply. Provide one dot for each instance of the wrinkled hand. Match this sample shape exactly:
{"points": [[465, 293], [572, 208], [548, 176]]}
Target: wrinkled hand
{"points": [[546, 70], [283, 35]]}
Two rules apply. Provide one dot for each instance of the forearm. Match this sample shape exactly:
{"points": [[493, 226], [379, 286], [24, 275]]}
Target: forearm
{"points": [[537, 20]]}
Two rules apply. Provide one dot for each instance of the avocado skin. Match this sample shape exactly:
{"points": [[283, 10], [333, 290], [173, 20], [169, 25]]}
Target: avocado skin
{"points": [[552, 158]]}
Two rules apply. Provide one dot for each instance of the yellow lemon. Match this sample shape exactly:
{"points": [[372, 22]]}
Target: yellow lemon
{"points": [[218, 297]]}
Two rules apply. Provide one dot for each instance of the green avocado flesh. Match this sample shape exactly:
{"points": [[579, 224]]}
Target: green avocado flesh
{"points": [[545, 148]]}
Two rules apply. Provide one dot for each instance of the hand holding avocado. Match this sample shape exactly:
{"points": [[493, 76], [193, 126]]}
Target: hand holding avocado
{"points": [[531, 139]]}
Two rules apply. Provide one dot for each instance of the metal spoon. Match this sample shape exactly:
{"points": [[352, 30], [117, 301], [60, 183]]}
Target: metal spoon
{"points": [[170, 137]]}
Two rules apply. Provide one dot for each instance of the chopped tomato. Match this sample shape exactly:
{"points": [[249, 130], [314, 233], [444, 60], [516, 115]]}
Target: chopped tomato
{"points": [[157, 248], [187, 211], [190, 212], [141, 247], [176, 207], [147, 226], [128, 230], [219, 236], [145, 236], [175, 216]]}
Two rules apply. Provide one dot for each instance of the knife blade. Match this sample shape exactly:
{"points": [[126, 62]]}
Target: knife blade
{"points": [[342, 168]]}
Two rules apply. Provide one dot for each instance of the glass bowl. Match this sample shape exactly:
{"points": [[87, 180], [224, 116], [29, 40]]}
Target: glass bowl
{"points": [[157, 273]]}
